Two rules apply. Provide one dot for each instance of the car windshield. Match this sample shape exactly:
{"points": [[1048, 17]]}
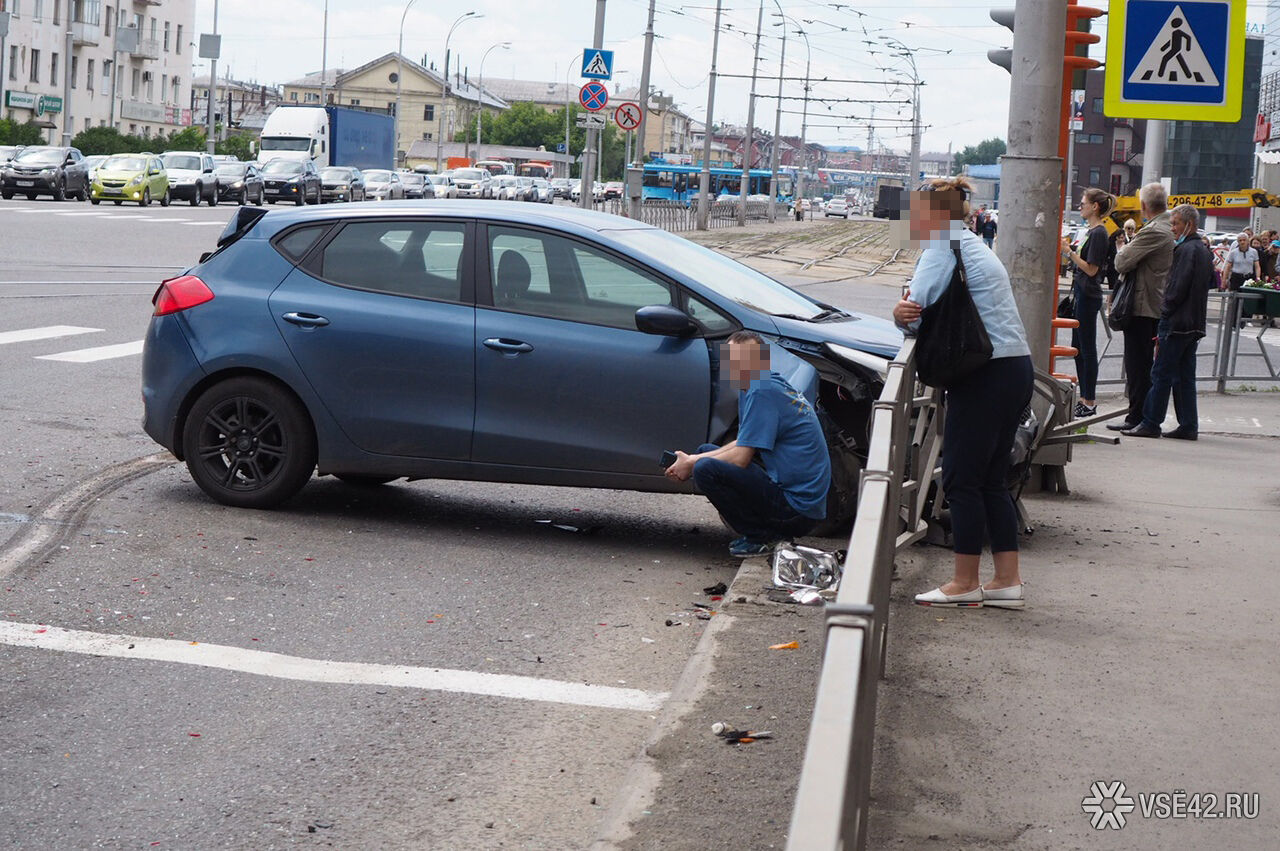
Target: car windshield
{"points": [[726, 277], [232, 169], [285, 143], [437, 179], [282, 167], [377, 175], [181, 161], [470, 173], [336, 174], [123, 164], [41, 156], [415, 179]]}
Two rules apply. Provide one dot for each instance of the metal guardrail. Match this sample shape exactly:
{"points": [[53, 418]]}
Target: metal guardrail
{"points": [[832, 801], [1225, 311], [676, 216]]}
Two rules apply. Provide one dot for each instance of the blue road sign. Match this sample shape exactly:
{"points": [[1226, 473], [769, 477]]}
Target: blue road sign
{"points": [[593, 96], [1176, 59], [597, 64], [560, 148]]}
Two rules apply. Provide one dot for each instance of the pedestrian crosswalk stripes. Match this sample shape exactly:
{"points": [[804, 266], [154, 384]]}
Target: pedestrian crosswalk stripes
{"points": [[119, 350], [49, 332]]}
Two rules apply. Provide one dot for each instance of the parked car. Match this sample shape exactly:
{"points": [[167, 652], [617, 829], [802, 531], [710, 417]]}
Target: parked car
{"points": [[597, 191], [563, 187], [46, 170], [544, 193], [8, 152], [506, 187], [191, 177], [442, 186], [381, 184], [613, 189], [91, 164], [240, 182], [416, 185], [837, 207], [502, 343], [291, 180], [474, 183], [340, 183], [130, 177]]}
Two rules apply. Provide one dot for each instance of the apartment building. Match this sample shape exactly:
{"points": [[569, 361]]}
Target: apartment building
{"points": [[129, 63]]}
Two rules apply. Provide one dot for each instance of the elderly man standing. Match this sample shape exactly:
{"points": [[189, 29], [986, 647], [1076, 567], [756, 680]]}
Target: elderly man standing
{"points": [[1182, 324], [1145, 259]]}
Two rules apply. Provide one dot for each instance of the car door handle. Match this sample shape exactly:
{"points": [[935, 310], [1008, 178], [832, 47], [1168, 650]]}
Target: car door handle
{"points": [[306, 320], [508, 347]]}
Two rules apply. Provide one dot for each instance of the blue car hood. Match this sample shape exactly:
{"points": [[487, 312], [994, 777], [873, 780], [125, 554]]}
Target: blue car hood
{"points": [[866, 333]]}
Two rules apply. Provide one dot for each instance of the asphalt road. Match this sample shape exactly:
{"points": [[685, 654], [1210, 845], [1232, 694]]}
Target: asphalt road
{"points": [[426, 664]]}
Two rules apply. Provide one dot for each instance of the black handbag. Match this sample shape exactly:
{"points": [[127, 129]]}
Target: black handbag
{"points": [[952, 340], [1067, 307], [1121, 306]]}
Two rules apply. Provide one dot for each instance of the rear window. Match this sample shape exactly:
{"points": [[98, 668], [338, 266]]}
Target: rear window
{"points": [[296, 243]]}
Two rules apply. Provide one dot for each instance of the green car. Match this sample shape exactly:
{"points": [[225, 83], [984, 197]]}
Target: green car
{"points": [[130, 177]]}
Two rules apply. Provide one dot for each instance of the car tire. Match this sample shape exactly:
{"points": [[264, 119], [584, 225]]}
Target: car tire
{"points": [[243, 199], [300, 200], [60, 191], [258, 203], [95, 201], [117, 203], [165, 200], [213, 197], [83, 194], [249, 443], [8, 196], [31, 196], [195, 199], [271, 201], [146, 197], [362, 481]]}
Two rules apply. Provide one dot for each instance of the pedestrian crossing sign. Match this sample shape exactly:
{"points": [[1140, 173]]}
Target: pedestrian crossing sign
{"points": [[597, 64], [1175, 59]]}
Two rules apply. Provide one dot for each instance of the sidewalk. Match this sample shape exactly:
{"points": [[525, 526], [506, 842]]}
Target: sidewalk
{"points": [[1147, 655]]}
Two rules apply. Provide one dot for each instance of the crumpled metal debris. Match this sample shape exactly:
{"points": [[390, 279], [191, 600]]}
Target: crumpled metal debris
{"points": [[806, 567]]}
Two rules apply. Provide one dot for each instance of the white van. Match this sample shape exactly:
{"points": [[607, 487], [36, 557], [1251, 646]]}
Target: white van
{"points": [[296, 133]]}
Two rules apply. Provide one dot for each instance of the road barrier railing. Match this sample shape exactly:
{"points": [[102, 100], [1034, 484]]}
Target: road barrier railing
{"points": [[833, 797]]}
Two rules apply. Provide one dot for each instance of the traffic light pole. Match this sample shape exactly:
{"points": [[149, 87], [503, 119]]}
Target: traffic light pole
{"points": [[1031, 170], [704, 179], [589, 154]]}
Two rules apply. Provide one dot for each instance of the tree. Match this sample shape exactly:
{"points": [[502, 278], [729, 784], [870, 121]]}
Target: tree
{"points": [[107, 140], [187, 139], [238, 146], [986, 152], [13, 133]]}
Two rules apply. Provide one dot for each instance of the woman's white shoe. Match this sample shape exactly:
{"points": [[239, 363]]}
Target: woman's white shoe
{"points": [[1004, 598], [968, 600]]}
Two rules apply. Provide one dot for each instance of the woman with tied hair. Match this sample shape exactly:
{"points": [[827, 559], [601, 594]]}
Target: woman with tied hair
{"points": [[1086, 290], [983, 408]]}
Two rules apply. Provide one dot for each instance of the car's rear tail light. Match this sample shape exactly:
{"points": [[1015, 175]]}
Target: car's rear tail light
{"points": [[179, 294]]}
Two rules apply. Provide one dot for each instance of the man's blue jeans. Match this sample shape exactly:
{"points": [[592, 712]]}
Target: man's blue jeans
{"points": [[1174, 370], [748, 500]]}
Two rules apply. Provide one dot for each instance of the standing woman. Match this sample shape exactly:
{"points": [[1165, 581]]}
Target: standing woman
{"points": [[1086, 290], [984, 408]]}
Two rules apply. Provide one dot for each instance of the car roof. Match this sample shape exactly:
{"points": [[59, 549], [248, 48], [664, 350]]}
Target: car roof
{"points": [[503, 211]]}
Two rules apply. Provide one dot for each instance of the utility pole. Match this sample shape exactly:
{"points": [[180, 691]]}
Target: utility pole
{"points": [[751, 119], [1031, 174], [593, 136], [644, 105], [777, 129], [804, 122], [4, 35], [210, 140], [704, 179], [324, 53], [1153, 151], [67, 129]]}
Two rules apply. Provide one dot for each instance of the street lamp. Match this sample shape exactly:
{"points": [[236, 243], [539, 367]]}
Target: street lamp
{"points": [[797, 190], [505, 45], [395, 155], [444, 89], [777, 119], [909, 54]]}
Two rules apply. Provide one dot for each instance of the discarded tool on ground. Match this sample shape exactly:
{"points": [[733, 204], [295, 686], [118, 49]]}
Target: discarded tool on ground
{"points": [[739, 737]]}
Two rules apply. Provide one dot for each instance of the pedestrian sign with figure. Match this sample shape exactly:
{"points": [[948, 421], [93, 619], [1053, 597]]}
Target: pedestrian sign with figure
{"points": [[1175, 59]]}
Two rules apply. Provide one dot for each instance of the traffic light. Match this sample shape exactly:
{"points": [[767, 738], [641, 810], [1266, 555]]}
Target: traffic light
{"points": [[1004, 56], [1075, 49]]}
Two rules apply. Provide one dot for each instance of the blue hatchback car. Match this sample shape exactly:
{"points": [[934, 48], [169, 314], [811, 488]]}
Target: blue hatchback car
{"points": [[495, 342]]}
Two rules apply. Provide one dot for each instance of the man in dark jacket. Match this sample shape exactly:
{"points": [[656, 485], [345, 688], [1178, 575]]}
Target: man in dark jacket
{"points": [[1182, 324]]}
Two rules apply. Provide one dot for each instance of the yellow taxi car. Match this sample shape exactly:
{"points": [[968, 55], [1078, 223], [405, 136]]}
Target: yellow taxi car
{"points": [[130, 177]]}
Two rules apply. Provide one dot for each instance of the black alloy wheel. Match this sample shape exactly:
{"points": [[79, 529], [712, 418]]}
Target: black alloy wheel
{"points": [[249, 443]]}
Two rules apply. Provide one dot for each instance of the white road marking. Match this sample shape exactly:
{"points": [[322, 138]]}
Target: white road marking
{"points": [[266, 664], [99, 213], [48, 332], [119, 350], [215, 224]]}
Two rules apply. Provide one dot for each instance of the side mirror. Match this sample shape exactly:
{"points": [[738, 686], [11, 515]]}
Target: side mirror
{"points": [[70, 160], [666, 321]]}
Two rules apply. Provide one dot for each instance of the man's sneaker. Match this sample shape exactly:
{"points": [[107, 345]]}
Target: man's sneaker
{"points": [[1083, 410], [744, 548]]}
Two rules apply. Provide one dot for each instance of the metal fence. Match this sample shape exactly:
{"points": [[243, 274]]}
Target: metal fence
{"points": [[832, 801], [676, 216], [1231, 343]]}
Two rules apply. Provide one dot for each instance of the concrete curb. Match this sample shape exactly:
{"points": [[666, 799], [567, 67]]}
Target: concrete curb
{"points": [[642, 778]]}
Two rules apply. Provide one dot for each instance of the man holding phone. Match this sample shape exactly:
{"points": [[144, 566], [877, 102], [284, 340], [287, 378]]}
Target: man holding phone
{"points": [[786, 494]]}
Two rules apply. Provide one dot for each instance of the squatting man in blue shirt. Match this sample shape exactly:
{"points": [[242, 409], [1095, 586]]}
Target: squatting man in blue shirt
{"points": [[783, 496]]}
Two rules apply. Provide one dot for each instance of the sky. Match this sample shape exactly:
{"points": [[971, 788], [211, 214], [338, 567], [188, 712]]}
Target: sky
{"points": [[963, 97]]}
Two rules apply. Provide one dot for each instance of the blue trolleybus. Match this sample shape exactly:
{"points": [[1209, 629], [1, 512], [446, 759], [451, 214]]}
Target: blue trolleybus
{"points": [[670, 182]]}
